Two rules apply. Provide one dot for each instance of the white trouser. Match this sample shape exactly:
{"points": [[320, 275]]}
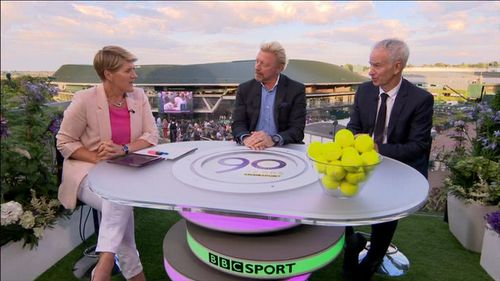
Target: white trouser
{"points": [[116, 230]]}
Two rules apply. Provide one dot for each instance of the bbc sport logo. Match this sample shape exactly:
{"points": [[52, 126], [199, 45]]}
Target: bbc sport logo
{"points": [[278, 269]]}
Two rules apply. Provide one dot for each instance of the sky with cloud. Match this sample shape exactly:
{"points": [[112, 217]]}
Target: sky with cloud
{"points": [[42, 35]]}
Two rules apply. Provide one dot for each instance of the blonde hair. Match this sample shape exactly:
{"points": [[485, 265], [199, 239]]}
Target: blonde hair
{"points": [[278, 50], [111, 58]]}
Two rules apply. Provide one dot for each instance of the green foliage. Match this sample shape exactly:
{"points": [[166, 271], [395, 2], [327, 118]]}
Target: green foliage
{"points": [[27, 158], [474, 164], [477, 65], [474, 179], [349, 66], [495, 103]]}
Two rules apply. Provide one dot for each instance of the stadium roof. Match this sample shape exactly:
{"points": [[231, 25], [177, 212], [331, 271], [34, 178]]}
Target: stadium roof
{"points": [[222, 73]]}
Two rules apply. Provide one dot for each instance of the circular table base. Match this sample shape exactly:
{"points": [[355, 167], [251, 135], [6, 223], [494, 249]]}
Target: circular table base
{"points": [[182, 265], [274, 255]]}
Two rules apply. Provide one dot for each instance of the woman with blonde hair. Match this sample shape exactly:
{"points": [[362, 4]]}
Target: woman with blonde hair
{"points": [[104, 122]]}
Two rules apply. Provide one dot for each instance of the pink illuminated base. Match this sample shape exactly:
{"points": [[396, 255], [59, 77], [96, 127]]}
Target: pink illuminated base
{"points": [[236, 224], [174, 275]]}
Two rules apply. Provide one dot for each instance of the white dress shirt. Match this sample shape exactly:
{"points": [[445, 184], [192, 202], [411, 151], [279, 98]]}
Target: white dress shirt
{"points": [[389, 103]]}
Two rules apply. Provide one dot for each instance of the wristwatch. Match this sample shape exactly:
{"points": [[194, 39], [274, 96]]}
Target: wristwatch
{"points": [[276, 139], [125, 149]]}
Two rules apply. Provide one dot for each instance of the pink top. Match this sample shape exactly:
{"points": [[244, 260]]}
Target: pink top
{"points": [[120, 125]]}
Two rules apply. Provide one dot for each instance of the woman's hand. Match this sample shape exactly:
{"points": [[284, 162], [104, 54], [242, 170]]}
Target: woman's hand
{"points": [[109, 150]]}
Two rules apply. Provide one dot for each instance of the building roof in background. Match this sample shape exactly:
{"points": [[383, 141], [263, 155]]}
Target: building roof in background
{"points": [[222, 73]]}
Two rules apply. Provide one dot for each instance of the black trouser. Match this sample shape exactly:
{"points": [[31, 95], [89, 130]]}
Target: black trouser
{"points": [[173, 135], [380, 240]]}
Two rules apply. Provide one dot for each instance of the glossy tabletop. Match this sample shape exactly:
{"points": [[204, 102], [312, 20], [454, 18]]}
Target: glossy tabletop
{"points": [[393, 191]]}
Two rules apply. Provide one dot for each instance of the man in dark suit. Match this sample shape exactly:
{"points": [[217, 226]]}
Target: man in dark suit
{"points": [[270, 110], [398, 115]]}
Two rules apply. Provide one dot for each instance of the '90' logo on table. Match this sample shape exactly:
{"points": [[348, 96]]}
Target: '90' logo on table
{"points": [[241, 162]]}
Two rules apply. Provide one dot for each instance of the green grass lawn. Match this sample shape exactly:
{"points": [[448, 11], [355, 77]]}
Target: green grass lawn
{"points": [[433, 251]]}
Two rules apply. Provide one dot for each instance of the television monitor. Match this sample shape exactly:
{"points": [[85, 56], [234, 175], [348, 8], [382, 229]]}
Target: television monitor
{"points": [[175, 101]]}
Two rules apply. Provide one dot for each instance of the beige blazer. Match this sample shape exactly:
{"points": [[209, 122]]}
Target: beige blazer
{"points": [[86, 123]]}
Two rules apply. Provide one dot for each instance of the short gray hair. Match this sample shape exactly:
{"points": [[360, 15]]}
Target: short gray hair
{"points": [[398, 50], [275, 48]]}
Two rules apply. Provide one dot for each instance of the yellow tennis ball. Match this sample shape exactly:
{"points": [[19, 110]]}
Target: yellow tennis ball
{"points": [[314, 149], [320, 164], [332, 151], [363, 143], [329, 183], [351, 161], [370, 157], [344, 137], [335, 170], [349, 150], [355, 178], [348, 189]]}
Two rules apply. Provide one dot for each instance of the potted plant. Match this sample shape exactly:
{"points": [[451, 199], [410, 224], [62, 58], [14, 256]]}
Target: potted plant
{"points": [[473, 183], [28, 175], [490, 254]]}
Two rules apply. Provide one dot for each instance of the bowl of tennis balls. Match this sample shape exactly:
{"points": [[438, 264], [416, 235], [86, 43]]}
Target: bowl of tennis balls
{"points": [[344, 165]]}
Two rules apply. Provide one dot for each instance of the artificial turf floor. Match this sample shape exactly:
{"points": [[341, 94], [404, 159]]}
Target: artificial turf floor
{"points": [[434, 253]]}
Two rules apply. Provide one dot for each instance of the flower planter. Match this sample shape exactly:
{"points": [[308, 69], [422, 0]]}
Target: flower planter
{"points": [[490, 254], [22, 264], [466, 222]]}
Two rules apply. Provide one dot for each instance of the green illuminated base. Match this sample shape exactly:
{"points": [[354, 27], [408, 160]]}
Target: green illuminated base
{"points": [[178, 255], [274, 255]]}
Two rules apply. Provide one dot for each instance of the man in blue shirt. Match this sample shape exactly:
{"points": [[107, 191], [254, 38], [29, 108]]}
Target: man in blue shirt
{"points": [[270, 110]]}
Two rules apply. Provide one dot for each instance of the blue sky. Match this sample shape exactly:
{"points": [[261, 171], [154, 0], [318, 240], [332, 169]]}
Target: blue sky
{"points": [[41, 35]]}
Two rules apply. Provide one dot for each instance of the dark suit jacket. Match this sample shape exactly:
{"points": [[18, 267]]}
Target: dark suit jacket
{"points": [[289, 109], [409, 129]]}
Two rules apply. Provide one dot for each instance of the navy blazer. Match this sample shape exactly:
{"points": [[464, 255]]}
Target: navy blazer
{"points": [[289, 109], [409, 129]]}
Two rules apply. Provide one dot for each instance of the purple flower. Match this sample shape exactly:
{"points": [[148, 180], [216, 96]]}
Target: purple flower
{"points": [[53, 90], [459, 123], [497, 117], [4, 129], [492, 146], [55, 124], [484, 141], [496, 134], [493, 219], [35, 91], [483, 107]]}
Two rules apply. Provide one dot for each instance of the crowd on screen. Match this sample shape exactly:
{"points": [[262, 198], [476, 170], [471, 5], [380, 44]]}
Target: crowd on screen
{"points": [[198, 129], [193, 130]]}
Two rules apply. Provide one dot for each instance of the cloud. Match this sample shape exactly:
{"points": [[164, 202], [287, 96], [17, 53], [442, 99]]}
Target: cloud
{"points": [[214, 17], [45, 35], [366, 33], [93, 11], [459, 16], [456, 25], [436, 9]]}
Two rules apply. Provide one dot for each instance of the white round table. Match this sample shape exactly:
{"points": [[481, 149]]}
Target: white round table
{"points": [[394, 190], [225, 180]]}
